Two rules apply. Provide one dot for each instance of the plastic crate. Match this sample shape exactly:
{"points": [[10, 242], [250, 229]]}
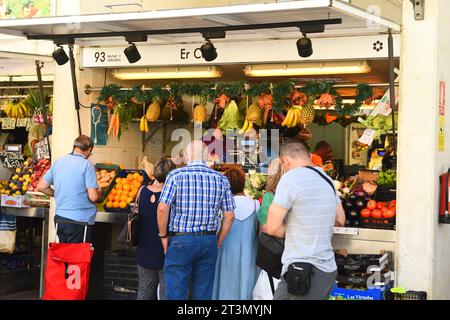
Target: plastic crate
{"points": [[373, 223], [115, 293], [109, 167], [120, 270], [359, 279], [409, 295], [359, 263], [385, 195], [123, 174], [352, 294]]}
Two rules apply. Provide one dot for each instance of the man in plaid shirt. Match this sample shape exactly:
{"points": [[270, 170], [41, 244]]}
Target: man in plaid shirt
{"points": [[195, 196]]}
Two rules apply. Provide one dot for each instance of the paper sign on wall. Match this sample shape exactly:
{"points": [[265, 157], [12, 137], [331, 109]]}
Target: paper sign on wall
{"points": [[441, 120]]}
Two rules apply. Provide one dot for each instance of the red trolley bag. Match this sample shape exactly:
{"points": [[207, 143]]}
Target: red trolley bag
{"points": [[67, 270]]}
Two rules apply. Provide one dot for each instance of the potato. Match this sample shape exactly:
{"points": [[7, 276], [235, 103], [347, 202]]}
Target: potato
{"points": [[103, 185], [112, 174]]}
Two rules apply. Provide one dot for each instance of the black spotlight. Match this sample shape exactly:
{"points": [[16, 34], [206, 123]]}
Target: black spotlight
{"points": [[304, 47], [60, 56], [132, 53], [209, 53]]}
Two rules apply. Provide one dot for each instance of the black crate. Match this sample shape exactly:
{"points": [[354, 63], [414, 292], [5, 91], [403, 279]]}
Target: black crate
{"points": [[359, 263], [385, 195], [120, 270], [116, 293], [359, 279], [409, 295], [382, 223]]}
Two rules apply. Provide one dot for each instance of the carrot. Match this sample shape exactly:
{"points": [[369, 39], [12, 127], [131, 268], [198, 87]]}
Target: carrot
{"points": [[111, 124], [116, 132]]}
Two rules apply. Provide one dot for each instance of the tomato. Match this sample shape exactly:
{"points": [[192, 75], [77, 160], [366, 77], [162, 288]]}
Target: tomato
{"points": [[393, 203], [389, 214], [377, 214], [381, 205], [366, 213], [384, 209], [372, 204]]}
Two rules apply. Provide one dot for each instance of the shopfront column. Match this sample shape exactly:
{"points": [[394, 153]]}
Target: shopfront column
{"points": [[65, 126], [423, 257]]}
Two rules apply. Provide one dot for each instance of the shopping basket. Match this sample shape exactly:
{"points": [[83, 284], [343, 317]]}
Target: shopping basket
{"points": [[67, 270]]}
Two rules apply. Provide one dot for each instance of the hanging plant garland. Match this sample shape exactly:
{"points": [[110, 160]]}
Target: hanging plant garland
{"points": [[281, 92]]}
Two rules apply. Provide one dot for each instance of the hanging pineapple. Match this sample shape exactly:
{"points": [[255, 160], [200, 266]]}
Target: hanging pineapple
{"points": [[254, 116], [153, 111], [199, 114], [307, 114]]}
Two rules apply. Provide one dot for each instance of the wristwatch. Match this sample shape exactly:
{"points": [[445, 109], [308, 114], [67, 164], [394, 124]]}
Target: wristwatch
{"points": [[164, 236]]}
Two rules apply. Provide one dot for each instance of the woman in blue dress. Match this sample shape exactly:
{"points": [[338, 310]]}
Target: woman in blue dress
{"points": [[236, 270], [150, 253]]}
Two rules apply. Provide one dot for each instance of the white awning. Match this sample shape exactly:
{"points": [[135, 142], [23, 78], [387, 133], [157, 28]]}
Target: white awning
{"points": [[354, 22]]}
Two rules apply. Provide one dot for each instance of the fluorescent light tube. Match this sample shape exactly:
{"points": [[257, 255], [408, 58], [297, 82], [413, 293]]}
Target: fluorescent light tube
{"points": [[168, 73]]}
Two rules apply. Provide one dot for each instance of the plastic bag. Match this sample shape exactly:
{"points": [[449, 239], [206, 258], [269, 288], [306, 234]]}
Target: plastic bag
{"points": [[7, 233], [147, 166], [262, 289]]}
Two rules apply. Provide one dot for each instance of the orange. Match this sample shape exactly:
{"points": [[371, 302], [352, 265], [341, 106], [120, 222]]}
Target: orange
{"points": [[119, 186], [140, 179], [109, 204], [119, 192], [129, 200], [118, 180], [111, 197], [113, 192], [123, 198], [116, 204], [136, 184], [116, 198], [123, 205], [130, 177], [126, 187], [136, 175]]}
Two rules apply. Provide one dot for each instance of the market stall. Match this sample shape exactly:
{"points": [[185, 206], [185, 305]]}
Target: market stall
{"points": [[133, 117]]}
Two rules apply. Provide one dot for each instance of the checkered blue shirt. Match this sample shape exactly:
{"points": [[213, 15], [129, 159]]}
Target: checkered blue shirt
{"points": [[196, 194]]}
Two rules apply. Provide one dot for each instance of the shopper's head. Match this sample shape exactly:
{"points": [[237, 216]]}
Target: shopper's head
{"points": [[323, 149], [294, 154], [83, 145], [236, 177], [162, 169], [196, 151], [274, 173]]}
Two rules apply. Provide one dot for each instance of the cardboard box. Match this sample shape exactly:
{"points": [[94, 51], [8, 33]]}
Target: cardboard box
{"points": [[368, 175], [14, 201]]}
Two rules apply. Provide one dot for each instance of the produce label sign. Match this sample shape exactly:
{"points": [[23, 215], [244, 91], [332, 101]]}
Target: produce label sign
{"points": [[11, 159], [367, 137], [22, 122], [42, 151], [8, 123]]}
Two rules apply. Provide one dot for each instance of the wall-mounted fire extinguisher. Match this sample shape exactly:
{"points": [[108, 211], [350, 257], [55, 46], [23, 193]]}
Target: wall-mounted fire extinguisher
{"points": [[444, 200]]}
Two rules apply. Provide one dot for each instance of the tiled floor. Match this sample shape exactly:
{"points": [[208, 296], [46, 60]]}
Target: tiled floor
{"points": [[25, 295]]}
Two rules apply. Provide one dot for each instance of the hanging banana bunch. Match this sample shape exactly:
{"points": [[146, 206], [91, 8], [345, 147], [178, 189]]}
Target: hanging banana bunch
{"points": [[293, 117], [143, 126], [253, 115]]}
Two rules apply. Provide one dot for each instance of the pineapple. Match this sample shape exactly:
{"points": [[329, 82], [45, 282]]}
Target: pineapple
{"points": [[153, 111], [254, 113], [307, 115], [199, 114]]}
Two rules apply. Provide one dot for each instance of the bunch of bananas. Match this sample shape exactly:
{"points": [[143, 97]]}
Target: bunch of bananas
{"points": [[143, 127], [248, 125], [293, 117], [18, 110]]}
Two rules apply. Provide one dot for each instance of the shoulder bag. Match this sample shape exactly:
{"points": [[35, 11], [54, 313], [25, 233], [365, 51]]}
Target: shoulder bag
{"points": [[129, 235]]}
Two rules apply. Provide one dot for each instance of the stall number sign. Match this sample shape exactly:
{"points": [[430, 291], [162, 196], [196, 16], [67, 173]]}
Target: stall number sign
{"points": [[42, 151], [22, 122], [11, 159], [8, 123]]}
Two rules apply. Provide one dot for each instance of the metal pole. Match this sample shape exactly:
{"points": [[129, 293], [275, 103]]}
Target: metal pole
{"points": [[39, 66], [392, 87], [74, 86]]}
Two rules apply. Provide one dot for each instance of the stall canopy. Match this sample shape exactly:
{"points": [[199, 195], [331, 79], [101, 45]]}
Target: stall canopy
{"points": [[182, 25]]}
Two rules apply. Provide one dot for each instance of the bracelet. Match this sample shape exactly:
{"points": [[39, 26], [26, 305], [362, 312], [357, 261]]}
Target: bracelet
{"points": [[163, 237]]}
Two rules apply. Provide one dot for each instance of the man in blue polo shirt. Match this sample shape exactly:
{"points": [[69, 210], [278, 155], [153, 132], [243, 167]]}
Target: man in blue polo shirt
{"points": [[75, 190]]}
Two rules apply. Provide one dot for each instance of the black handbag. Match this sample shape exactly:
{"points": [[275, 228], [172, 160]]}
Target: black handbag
{"points": [[129, 235], [268, 257]]}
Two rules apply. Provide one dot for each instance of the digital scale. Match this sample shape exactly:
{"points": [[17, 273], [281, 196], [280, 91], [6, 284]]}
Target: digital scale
{"points": [[13, 148], [246, 153]]}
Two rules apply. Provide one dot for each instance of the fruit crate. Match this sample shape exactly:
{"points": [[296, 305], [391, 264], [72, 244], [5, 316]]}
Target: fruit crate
{"points": [[122, 174], [385, 195], [109, 167], [374, 223], [360, 279], [408, 295], [359, 263], [120, 272]]}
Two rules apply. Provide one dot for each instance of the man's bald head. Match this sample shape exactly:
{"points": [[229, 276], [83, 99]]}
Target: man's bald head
{"points": [[196, 150], [294, 154]]}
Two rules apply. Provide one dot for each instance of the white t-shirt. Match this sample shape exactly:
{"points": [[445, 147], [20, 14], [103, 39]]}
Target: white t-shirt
{"points": [[245, 206]]}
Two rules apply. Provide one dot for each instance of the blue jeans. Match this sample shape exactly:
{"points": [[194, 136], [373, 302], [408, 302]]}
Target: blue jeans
{"points": [[190, 262]]}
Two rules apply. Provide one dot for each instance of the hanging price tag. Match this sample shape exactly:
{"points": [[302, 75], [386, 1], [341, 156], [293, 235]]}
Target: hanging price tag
{"points": [[367, 137], [42, 150], [8, 123], [22, 122]]}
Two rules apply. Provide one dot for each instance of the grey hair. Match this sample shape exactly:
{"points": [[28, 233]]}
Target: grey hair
{"points": [[295, 149]]}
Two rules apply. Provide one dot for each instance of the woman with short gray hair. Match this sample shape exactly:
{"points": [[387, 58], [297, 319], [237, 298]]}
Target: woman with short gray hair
{"points": [[150, 253]]}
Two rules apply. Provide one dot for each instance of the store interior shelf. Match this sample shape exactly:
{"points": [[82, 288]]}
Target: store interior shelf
{"points": [[366, 234], [154, 127]]}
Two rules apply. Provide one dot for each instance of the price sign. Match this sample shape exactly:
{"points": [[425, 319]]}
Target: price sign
{"points": [[367, 137], [22, 122], [11, 159], [8, 123], [42, 151], [29, 124]]}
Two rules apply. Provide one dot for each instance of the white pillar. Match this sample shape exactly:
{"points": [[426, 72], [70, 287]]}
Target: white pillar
{"points": [[421, 256], [65, 126]]}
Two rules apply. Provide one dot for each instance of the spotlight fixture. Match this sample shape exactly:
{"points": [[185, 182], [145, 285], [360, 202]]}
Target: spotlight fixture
{"points": [[132, 53], [304, 47], [60, 56], [209, 53]]}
